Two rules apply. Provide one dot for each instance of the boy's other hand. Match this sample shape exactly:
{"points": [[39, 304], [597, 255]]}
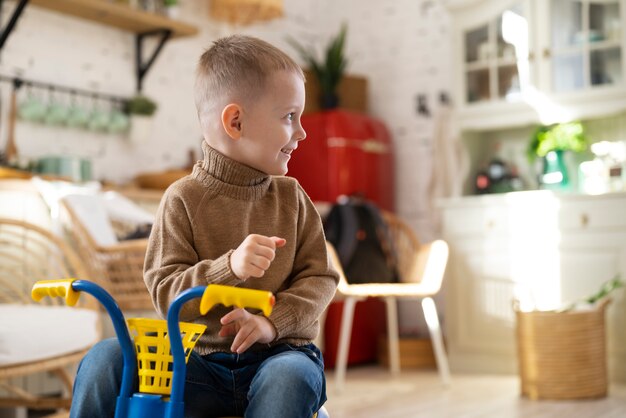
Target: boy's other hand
{"points": [[247, 329], [254, 255]]}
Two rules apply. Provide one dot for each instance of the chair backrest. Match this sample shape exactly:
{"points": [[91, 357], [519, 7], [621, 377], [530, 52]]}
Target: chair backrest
{"points": [[423, 263], [117, 267], [417, 263], [336, 264], [29, 253], [405, 244]]}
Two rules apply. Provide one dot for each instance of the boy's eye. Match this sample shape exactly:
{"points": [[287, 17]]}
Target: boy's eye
{"points": [[291, 116]]}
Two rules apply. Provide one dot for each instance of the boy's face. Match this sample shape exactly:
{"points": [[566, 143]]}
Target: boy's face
{"points": [[270, 126]]}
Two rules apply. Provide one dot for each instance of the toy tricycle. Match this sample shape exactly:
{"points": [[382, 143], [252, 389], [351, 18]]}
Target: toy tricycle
{"points": [[157, 379]]}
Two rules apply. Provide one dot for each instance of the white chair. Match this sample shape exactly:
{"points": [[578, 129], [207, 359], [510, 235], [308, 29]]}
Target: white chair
{"points": [[421, 269]]}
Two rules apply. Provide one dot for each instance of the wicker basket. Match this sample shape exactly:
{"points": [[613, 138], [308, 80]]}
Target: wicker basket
{"points": [[562, 355], [118, 268]]}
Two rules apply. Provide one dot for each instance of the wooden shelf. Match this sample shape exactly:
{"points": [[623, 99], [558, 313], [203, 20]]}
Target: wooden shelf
{"points": [[117, 15]]}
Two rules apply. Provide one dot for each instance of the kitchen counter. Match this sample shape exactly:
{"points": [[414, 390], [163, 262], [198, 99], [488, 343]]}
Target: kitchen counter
{"points": [[524, 196]]}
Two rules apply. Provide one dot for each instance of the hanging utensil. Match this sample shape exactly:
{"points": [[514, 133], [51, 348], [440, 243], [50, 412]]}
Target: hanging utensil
{"points": [[10, 151]]}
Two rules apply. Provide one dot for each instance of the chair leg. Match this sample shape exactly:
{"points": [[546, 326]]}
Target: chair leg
{"points": [[392, 335], [344, 342], [432, 320]]}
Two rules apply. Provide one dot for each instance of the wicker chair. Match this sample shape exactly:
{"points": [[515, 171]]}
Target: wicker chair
{"points": [[118, 267], [29, 253], [421, 269]]}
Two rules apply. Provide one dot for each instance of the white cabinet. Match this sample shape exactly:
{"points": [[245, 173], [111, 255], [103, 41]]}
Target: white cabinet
{"points": [[543, 249], [538, 61]]}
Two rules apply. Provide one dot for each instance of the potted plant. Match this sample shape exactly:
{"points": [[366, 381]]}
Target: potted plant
{"points": [[140, 109], [328, 72], [171, 8], [551, 143]]}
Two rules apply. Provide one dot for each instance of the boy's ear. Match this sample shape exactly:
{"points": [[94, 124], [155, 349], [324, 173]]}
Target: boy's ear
{"points": [[231, 120]]}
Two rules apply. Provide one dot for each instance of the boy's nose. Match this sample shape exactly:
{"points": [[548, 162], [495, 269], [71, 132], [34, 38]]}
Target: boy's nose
{"points": [[301, 135]]}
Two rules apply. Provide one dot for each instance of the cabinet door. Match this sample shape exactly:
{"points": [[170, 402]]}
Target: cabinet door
{"points": [[479, 290], [589, 259], [496, 54], [592, 251], [584, 49], [494, 44]]}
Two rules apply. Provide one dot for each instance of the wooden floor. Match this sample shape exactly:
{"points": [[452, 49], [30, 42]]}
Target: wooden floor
{"points": [[372, 392]]}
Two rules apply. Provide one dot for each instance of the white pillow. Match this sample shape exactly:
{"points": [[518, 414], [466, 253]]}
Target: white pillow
{"points": [[121, 208], [35, 332], [91, 212]]}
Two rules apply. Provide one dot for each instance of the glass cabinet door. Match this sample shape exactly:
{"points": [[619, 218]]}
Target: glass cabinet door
{"points": [[496, 57], [585, 44], [477, 57]]}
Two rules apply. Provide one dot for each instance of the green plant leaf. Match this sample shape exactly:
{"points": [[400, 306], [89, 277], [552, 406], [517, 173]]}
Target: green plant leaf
{"points": [[606, 289], [307, 54], [140, 105], [330, 71], [564, 136]]}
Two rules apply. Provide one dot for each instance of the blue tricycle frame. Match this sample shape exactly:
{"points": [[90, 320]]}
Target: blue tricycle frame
{"points": [[145, 405]]}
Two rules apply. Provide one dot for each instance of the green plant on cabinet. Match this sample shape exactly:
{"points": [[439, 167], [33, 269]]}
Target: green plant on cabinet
{"points": [[551, 143]]}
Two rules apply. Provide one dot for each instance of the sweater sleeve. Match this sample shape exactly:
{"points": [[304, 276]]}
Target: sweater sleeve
{"points": [[172, 264], [313, 282]]}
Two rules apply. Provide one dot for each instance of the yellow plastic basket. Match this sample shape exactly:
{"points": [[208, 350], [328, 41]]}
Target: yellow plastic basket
{"points": [[154, 358]]}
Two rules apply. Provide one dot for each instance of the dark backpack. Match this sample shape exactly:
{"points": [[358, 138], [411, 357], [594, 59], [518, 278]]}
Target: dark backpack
{"points": [[363, 242]]}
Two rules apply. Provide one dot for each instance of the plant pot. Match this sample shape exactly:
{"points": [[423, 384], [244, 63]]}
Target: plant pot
{"points": [[329, 101], [555, 175], [172, 11], [140, 128]]}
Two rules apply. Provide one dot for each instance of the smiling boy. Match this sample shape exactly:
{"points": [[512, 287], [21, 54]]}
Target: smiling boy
{"points": [[236, 220]]}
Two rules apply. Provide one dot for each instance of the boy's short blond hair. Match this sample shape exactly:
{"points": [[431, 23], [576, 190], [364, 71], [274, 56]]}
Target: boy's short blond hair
{"points": [[236, 68]]}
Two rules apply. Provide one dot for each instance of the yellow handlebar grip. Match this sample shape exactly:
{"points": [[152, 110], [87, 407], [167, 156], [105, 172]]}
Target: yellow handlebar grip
{"points": [[235, 296], [55, 288]]}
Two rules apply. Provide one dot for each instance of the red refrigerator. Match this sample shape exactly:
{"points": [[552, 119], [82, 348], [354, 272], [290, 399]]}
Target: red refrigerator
{"points": [[348, 153], [345, 153]]}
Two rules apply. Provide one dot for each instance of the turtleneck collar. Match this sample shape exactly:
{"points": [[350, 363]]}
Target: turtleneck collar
{"points": [[229, 177]]}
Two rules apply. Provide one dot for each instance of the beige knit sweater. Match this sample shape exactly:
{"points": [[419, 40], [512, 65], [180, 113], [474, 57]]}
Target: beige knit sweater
{"points": [[203, 217]]}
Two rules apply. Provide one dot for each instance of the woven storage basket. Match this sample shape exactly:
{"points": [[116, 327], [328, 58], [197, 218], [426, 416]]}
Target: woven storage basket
{"points": [[562, 355], [118, 268]]}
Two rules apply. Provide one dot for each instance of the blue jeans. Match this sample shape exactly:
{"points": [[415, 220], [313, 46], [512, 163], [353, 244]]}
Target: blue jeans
{"points": [[282, 381]]}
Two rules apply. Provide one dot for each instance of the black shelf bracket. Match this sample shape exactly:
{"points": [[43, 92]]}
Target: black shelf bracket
{"points": [[17, 12], [141, 66]]}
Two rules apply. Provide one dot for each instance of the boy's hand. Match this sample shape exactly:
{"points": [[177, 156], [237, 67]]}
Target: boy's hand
{"points": [[254, 255], [247, 329]]}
